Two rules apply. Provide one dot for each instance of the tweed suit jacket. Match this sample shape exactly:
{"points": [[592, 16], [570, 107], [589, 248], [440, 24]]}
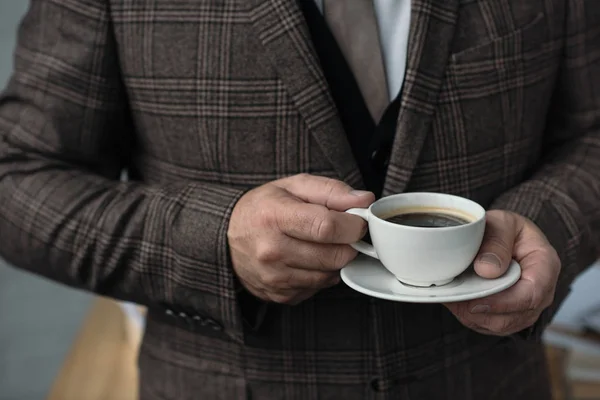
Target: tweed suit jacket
{"points": [[200, 101]]}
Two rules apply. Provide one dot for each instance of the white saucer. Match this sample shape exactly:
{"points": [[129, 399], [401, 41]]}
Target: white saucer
{"points": [[368, 276]]}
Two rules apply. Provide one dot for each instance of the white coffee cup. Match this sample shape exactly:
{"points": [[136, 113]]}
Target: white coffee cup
{"points": [[423, 256]]}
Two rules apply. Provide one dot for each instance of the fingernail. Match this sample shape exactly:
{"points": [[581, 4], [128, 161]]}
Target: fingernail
{"points": [[490, 258], [359, 193], [480, 309]]}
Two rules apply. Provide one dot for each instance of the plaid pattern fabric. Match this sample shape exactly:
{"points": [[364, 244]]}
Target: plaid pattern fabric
{"points": [[203, 100]]}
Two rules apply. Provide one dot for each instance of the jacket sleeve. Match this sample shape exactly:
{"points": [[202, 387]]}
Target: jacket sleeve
{"points": [[65, 136], [563, 195]]}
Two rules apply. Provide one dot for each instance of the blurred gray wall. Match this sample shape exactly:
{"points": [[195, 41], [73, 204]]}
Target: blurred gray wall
{"points": [[38, 319]]}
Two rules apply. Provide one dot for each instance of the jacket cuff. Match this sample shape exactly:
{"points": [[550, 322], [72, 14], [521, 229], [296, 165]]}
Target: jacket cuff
{"points": [[202, 278]]}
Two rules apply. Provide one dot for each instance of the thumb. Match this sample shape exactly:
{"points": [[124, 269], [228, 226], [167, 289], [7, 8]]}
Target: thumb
{"points": [[328, 192], [496, 251]]}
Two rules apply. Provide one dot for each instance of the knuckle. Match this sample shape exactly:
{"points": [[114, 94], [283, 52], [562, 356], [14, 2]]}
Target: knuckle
{"points": [[336, 258], [322, 262], [301, 178], [502, 324], [334, 187], [331, 185], [324, 228], [267, 253], [342, 255], [305, 179], [537, 299], [461, 313], [266, 216], [497, 243], [327, 260], [534, 303], [489, 322], [468, 323], [271, 279]]}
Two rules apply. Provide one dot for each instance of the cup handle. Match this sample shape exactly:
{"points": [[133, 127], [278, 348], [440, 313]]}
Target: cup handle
{"points": [[361, 245]]}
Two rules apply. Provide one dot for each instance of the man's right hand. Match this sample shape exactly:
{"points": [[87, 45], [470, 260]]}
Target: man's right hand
{"points": [[289, 238]]}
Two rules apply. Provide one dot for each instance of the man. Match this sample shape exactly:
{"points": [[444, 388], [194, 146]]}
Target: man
{"points": [[248, 127]]}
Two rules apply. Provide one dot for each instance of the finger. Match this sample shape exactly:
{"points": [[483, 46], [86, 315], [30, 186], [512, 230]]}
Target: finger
{"points": [[317, 256], [483, 331], [494, 324], [279, 277], [533, 291], [502, 324], [496, 251], [474, 327], [506, 324], [525, 295], [522, 296], [328, 192], [457, 310], [298, 254], [519, 298], [315, 223]]}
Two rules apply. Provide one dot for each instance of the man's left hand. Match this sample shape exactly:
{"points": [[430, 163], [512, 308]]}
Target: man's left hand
{"points": [[509, 236]]}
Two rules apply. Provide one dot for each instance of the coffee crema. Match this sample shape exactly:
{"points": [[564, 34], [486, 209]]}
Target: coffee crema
{"points": [[428, 217]]}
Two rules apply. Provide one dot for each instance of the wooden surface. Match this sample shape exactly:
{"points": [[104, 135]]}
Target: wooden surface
{"points": [[584, 391], [557, 359], [102, 362]]}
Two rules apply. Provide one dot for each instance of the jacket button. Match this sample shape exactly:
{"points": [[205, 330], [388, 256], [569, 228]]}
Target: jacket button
{"points": [[379, 159], [214, 325]]}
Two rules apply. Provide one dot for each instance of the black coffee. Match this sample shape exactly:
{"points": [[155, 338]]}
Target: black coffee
{"points": [[427, 219]]}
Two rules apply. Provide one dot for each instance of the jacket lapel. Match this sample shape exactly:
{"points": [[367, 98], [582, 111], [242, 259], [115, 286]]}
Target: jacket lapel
{"points": [[283, 32], [431, 33]]}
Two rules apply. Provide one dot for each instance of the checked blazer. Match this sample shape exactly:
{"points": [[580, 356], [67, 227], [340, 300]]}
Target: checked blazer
{"points": [[202, 100]]}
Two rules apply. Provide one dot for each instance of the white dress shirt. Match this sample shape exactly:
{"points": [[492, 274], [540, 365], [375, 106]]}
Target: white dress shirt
{"points": [[393, 20]]}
